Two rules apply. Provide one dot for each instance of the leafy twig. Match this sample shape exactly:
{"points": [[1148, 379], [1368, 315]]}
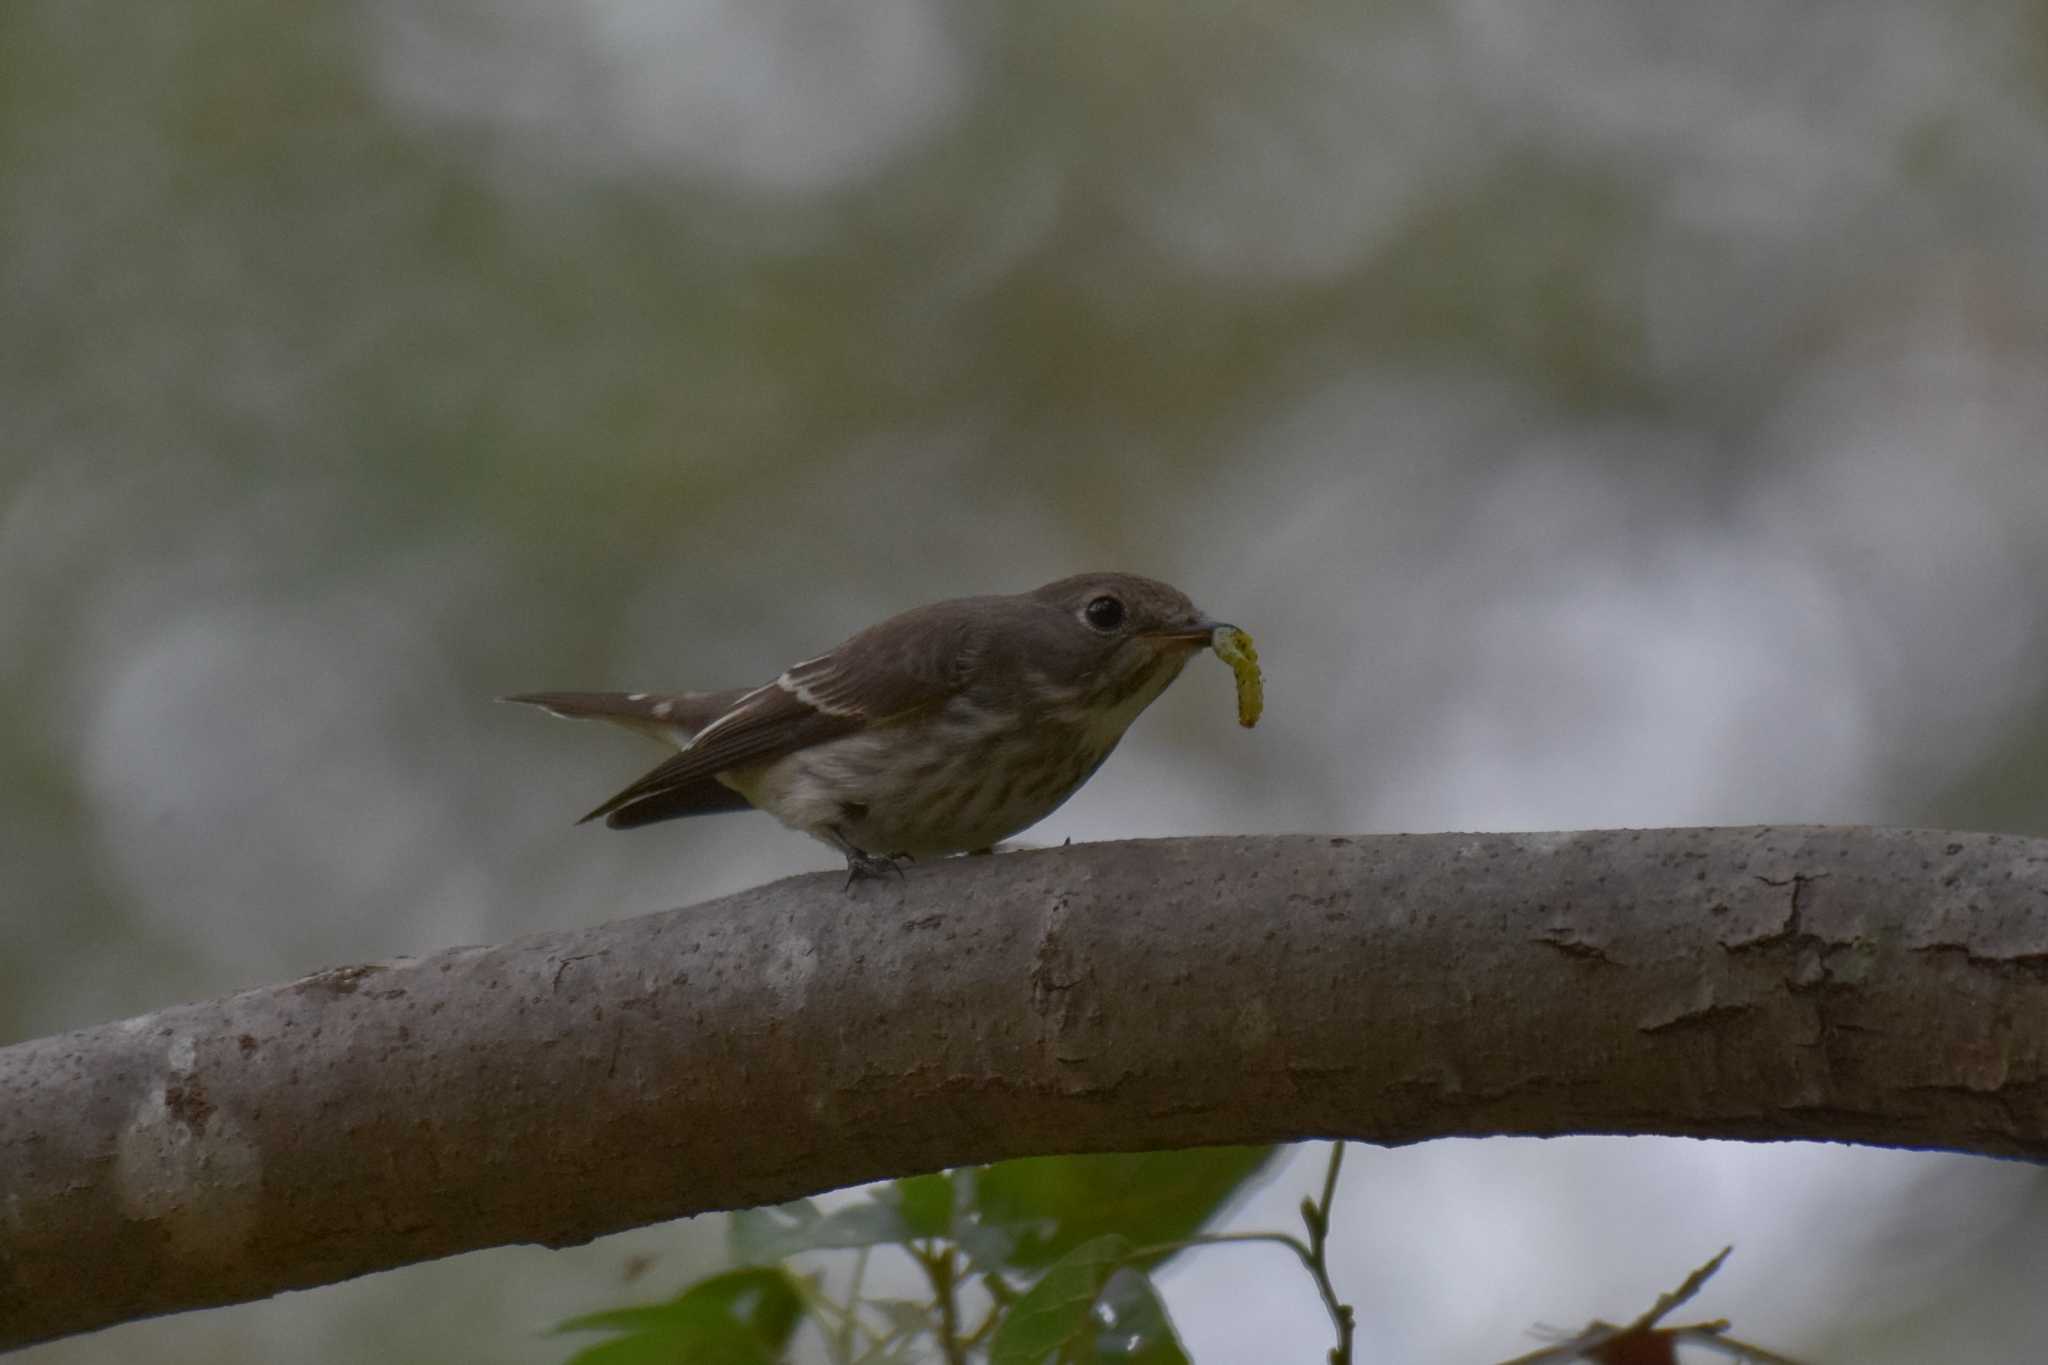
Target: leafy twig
{"points": [[840, 1322], [1001, 1295], [1313, 1254], [852, 1319], [940, 1269], [1317, 1216]]}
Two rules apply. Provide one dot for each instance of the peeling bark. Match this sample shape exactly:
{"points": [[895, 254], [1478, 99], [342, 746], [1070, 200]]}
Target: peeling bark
{"points": [[1877, 986]]}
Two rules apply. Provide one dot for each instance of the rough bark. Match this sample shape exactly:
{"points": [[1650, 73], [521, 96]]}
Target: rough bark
{"points": [[1875, 986]]}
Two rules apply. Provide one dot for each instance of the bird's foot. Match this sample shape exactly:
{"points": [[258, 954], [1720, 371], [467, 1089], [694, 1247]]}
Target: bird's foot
{"points": [[862, 866]]}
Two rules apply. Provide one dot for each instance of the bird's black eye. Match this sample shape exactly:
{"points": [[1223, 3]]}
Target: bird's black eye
{"points": [[1104, 613]]}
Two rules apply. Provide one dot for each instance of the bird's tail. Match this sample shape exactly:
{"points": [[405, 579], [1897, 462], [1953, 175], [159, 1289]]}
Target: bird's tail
{"points": [[672, 717]]}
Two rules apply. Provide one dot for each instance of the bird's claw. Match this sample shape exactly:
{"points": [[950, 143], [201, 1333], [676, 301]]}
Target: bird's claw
{"points": [[861, 866]]}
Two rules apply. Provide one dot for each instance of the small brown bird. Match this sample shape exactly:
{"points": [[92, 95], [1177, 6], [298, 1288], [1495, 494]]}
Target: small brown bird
{"points": [[942, 730]]}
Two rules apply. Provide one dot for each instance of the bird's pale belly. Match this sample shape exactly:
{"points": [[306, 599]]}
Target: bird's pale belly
{"points": [[958, 781]]}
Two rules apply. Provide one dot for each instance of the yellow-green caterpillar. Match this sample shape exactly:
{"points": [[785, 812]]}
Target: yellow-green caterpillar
{"points": [[1235, 648]]}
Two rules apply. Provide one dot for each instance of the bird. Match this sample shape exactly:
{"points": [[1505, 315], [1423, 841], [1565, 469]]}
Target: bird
{"points": [[944, 729]]}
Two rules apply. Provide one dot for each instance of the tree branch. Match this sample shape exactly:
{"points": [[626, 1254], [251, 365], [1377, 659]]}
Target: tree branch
{"points": [[1866, 985]]}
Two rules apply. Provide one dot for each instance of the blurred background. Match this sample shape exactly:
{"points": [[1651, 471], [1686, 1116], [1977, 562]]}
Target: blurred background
{"points": [[1603, 413]]}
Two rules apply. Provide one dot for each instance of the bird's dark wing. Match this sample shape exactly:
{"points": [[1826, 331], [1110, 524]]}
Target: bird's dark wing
{"points": [[707, 796], [883, 675], [766, 723]]}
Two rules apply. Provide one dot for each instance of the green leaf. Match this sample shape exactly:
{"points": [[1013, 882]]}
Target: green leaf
{"points": [[987, 1245], [1060, 1308], [925, 1203], [1137, 1332], [740, 1317], [766, 1235], [1055, 1204], [898, 1212]]}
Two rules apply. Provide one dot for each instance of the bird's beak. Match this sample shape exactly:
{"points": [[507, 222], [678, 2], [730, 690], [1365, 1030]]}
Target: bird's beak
{"points": [[1195, 632]]}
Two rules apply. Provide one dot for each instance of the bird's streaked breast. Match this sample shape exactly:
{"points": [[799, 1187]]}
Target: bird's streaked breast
{"points": [[964, 776]]}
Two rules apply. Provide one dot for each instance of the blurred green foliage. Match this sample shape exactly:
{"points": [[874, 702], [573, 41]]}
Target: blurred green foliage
{"points": [[739, 1317], [1084, 1232]]}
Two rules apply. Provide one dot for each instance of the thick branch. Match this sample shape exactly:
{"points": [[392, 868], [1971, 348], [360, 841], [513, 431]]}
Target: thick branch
{"points": [[1874, 986]]}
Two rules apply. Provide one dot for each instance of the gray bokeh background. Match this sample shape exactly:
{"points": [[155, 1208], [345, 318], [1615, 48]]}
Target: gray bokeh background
{"points": [[1603, 413]]}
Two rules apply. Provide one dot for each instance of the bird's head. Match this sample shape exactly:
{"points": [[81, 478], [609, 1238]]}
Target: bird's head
{"points": [[1120, 632]]}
